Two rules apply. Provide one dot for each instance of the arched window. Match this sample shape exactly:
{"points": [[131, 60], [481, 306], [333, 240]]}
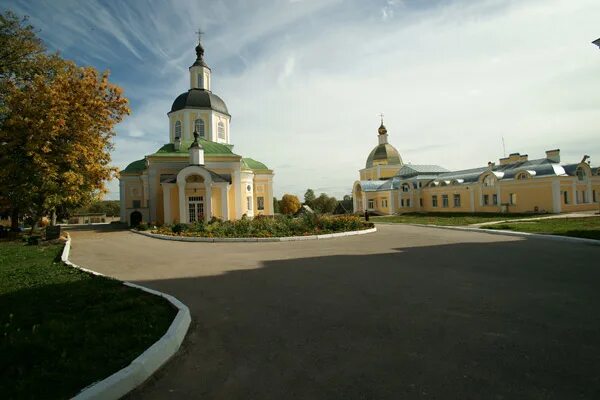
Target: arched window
{"points": [[522, 175], [178, 130], [200, 81], [199, 125], [580, 174], [221, 130]]}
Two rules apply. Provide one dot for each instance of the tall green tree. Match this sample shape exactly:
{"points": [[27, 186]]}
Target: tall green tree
{"points": [[324, 204], [309, 197], [56, 130]]}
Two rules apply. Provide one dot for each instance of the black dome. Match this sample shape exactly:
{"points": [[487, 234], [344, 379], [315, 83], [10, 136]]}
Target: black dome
{"points": [[199, 98]]}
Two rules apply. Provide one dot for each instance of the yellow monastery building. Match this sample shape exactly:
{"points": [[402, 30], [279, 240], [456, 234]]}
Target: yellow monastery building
{"points": [[196, 175], [514, 185]]}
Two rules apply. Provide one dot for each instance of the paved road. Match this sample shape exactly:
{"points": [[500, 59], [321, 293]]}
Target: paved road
{"points": [[409, 312]]}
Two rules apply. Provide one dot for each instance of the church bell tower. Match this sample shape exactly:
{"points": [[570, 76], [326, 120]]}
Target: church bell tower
{"points": [[199, 71]]}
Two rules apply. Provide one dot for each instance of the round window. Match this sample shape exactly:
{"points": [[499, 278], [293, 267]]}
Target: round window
{"points": [[248, 188]]}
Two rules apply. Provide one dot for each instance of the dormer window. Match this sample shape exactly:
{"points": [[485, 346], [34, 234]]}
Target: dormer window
{"points": [[522, 175], [178, 130], [489, 180], [199, 126], [221, 130]]}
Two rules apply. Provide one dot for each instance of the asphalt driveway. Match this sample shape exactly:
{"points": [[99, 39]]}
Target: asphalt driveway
{"points": [[408, 312]]}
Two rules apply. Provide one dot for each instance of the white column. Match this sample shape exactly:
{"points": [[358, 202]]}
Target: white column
{"points": [[186, 133], [207, 202], [225, 201], [575, 192], [556, 198], [364, 201], [588, 195], [168, 219], [269, 201], [472, 193], [236, 190], [183, 212], [499, 205], [391, 202]]}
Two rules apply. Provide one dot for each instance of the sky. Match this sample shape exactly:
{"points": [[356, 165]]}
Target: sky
{"points": [[305, 81]]}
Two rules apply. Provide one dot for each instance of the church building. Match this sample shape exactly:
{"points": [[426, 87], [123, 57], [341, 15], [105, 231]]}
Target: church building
{"points": [[196, 175], [515, 185]]}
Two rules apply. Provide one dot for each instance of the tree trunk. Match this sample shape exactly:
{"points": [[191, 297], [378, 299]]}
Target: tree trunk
{"points": [[53, 219], [14, 219]]}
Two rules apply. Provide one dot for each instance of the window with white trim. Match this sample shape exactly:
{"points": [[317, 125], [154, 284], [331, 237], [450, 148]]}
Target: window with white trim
{"points": [[445, 201], [513, 198], [457, 200], [495, 199], [221, 130], [260, 203], [384, 203], [178, 130], [434, 201], [199, 127], [371, 203], [486, 199]]}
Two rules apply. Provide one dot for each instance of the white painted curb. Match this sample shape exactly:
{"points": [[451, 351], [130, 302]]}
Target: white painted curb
{"points": [[254, 239], [125, 380], [557, 238]]}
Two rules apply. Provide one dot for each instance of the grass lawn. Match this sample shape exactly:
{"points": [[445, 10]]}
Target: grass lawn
{"points": [[578, 227], [448, 219], [62, 329]]}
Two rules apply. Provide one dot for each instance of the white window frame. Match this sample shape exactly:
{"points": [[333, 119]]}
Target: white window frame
{"points": [[221, 130], [177, 129], [260, 203], [200, 127]]}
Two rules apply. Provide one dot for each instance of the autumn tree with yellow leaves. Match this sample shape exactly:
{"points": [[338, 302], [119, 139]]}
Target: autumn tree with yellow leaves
{"points": [[56, 130]]}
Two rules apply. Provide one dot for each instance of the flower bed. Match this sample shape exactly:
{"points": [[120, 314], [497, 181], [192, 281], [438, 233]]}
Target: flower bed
{"points": [[265, 227]]}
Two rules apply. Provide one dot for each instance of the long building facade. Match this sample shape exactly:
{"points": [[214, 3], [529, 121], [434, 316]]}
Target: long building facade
{"points": [[515, 184], [196, 175]]}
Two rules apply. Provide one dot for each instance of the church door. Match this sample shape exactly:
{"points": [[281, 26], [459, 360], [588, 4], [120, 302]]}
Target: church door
{"points": [[135, 218], [195, 208]]}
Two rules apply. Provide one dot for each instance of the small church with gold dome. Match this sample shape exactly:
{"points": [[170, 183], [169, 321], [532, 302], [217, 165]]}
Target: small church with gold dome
{"points": [[516, 184], [196, 175]]}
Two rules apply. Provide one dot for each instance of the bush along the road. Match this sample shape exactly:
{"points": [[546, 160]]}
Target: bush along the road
{"points": [[262, 226]]}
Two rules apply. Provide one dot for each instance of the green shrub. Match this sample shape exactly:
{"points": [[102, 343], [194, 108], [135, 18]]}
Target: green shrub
{"points": [[266, 226], [178, 228], [142, 227]]}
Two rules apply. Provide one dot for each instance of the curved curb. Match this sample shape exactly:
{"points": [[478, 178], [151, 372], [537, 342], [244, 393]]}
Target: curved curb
{"points": [[253, 239], [558, 238], [141, 368]]}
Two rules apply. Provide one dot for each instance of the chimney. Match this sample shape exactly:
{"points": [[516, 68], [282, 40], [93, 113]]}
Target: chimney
{"points": [[513, 158], [553, 155]]}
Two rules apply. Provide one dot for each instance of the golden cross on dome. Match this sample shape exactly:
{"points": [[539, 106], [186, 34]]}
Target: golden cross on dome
{"points": [[199, 33], [381, 115]]}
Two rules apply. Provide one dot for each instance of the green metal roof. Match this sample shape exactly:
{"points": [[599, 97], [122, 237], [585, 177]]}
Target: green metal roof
{"points": [[210, 148], [136, 166], [249, 163]]}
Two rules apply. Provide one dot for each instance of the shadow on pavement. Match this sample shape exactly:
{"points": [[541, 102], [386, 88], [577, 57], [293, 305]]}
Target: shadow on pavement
{"points": [[505, 320]]}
